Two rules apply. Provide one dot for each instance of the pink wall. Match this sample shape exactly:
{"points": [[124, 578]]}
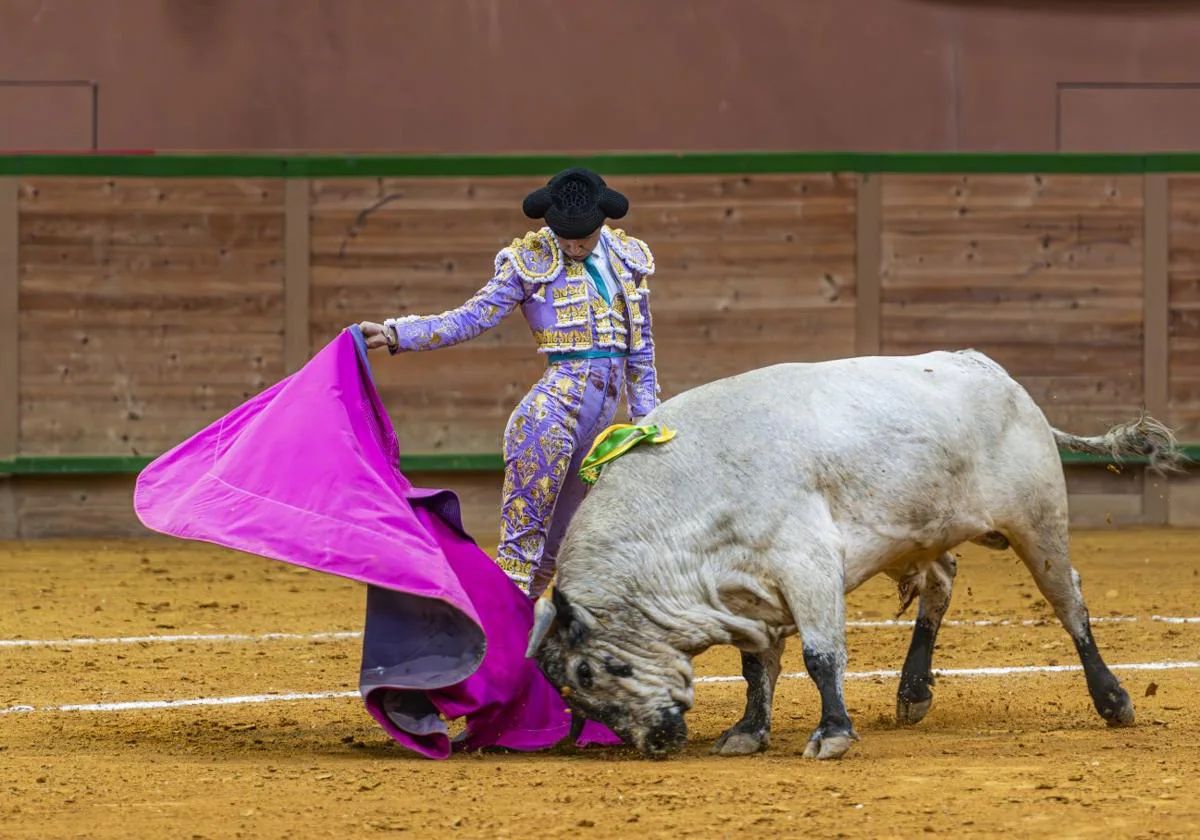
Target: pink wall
{"points": [[541, 75]]}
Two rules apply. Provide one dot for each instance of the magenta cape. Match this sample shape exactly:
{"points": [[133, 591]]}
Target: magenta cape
{"points": [[307, 472]]}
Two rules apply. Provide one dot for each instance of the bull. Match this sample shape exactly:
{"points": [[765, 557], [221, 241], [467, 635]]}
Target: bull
{"points": [[786, 488]]}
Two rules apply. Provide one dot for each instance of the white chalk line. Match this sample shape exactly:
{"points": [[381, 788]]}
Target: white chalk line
{"points": [[1000, 671], [996, 622], [223, 638], [210, 638], [145, 705]]}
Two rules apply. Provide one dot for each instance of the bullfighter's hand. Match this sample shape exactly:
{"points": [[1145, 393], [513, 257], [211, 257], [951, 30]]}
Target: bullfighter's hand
{"points": [[377, 335]]}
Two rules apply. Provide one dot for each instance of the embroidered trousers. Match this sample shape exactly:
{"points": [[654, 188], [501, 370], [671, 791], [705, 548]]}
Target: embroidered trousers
{"points": [[547, 438]]}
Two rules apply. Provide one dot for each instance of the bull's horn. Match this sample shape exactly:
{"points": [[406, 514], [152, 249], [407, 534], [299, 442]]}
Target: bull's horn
{"points": [[544, 613]]}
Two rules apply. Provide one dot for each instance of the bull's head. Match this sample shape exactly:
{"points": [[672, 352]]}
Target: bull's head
{"points": [[614, 672]]}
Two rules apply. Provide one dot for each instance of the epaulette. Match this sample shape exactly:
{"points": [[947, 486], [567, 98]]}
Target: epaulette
{"points": [[535, 257], [633, 252]]}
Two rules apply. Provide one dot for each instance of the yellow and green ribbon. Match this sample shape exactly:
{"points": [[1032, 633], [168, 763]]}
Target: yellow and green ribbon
{"points": [[614, 442]]}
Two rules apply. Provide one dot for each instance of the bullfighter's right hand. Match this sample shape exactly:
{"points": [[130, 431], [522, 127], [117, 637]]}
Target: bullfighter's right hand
{"points": [[377, 335]]}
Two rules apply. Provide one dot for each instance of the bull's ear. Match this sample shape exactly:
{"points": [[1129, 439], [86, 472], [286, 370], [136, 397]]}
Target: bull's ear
{"points": [[544, 613]]}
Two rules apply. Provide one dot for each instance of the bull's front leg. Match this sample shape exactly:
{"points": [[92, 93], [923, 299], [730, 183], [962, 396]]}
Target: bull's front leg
{"points": [[835, 733], [752, 733], [812, 580], [914, 697]]}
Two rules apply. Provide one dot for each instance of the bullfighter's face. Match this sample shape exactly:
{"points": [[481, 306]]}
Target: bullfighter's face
{"points": [[579, 250], [610, 673]]}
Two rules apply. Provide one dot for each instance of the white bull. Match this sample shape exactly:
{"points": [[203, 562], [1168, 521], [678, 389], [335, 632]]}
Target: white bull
{"points": [[786, 488]]}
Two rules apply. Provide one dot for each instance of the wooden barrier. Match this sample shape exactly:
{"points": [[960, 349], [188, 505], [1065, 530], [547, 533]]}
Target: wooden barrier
{"points": [[149, 302], [147, 308]]}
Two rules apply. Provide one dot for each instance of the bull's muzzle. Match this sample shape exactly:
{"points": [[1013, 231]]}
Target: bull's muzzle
{"points": [[667, 736]]}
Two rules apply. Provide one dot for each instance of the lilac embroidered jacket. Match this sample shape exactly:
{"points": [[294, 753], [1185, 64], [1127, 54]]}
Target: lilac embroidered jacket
{"points": [[562, 311]]}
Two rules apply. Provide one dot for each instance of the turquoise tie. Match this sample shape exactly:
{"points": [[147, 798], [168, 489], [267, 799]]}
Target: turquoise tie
{"points": [[598, 280]]}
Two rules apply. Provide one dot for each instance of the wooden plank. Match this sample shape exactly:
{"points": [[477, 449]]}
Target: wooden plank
{"points": [[76, 506], [1184, 303], [1100, 509], [1156, 354], [149, 308], [1036, 252], [868, 245], [149, 195], [1100, 480], [1044, 274], [9, 524], [296, 276], [10, 371], [456, 193], [1184, 510], [1022, 192], [763, 221]]}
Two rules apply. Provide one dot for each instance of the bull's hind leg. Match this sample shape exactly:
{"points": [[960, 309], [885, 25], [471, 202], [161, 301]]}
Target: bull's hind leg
{"points": [[914, 698], [752, 733], [1043, 548]]}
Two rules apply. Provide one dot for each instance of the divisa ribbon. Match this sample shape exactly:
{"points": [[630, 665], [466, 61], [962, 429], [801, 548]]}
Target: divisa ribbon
{"points": [[614, 442]]}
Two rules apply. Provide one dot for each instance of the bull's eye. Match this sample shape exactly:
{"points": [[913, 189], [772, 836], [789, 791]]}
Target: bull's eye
{"points": [[583, 675]]}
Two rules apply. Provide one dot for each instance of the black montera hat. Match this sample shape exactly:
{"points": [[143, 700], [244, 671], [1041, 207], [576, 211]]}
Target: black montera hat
{"points": [[575, 203]]}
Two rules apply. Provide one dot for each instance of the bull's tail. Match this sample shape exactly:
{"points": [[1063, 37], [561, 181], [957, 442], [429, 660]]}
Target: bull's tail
{"points": [[1144, 436]]}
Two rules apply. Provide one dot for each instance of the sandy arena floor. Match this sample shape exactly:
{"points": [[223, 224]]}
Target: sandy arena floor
{"points": [[1020, 754]]}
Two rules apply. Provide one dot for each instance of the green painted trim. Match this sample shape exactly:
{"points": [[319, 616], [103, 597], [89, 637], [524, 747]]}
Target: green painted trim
{"points": [[1191, 451], [73, 464], [659, 163], [44, 465], [483, 462]]}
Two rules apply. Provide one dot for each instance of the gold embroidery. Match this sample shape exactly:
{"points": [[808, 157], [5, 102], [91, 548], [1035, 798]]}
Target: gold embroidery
{"points": [[536, 247], [572, 316], [562, 340], [569, 293], [513, 566], [526, 469], [618, 268], [647, 259]]}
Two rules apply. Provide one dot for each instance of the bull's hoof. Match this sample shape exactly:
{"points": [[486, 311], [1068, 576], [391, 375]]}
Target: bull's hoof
{"points": [[834, 745], [741, 742], [1118, 710], [909, 712]]}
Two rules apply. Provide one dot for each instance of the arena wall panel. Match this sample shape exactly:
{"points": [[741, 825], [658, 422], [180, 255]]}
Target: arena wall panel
{"points": [[151, 301], [1184, 318], [147, 308]]}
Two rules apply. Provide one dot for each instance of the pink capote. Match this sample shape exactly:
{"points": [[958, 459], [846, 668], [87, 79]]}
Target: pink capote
{"points": [[307, 472]]}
